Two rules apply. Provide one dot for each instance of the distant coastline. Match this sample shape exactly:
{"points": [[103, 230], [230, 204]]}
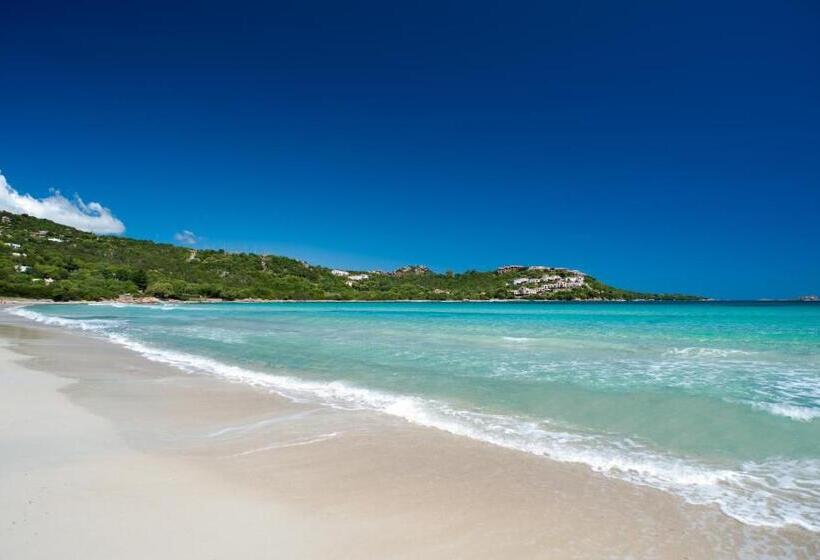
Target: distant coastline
{"points": [[35, 301], [41, 259]]}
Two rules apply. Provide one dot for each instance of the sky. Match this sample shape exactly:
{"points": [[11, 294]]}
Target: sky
{"points": [[658, 146]]}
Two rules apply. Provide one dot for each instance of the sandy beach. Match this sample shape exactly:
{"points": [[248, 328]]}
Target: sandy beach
{"points": [[104, 454]]}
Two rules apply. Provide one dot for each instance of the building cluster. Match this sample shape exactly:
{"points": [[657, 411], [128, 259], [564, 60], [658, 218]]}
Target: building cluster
{"points": [[548, 283], [17, 253], [350, 279], [353, 278]]}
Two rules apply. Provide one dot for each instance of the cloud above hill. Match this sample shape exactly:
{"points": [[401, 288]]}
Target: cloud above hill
{"points": [[92, 217], [186, 236]]}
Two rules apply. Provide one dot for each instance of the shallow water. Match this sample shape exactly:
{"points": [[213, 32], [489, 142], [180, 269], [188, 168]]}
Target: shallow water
{"points": [[716, 402]]}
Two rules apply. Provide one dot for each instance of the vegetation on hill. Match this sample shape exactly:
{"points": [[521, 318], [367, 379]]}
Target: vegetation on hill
{"points": [[42, 259]]}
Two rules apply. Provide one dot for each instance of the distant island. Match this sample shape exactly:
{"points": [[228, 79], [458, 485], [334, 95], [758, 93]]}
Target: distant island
{"points": [[42, 259]]}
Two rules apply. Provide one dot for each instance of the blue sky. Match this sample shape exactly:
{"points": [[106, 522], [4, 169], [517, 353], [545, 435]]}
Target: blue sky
{"points": [[657, 145]]}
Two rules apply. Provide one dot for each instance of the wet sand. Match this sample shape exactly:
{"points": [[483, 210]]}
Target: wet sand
{"points": [[104, 454]]}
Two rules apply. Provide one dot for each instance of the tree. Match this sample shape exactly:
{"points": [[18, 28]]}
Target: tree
{"points": [[140, 278]]}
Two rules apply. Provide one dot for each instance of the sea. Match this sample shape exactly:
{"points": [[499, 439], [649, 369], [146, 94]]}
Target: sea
{"points": [[716, 402]]}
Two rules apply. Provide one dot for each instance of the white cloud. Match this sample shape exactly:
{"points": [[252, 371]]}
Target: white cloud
{"points": [[186, 236], [92, 217]]}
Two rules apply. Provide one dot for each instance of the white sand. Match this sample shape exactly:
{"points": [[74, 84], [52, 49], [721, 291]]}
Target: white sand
{"points": [[71, 489]]}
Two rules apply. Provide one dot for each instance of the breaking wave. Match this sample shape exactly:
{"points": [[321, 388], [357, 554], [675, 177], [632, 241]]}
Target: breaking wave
{"points": [[794, 412]]}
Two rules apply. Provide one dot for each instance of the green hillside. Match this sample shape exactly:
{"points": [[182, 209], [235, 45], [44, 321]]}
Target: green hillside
{"points": [[42, 259]]}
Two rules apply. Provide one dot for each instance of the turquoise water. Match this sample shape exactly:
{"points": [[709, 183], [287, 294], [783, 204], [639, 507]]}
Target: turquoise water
{"points": [[716, 402]]}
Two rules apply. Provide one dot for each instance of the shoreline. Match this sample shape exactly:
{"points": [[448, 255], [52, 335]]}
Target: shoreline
{"points": [[377, 486], [6, 301], [158, 301]]}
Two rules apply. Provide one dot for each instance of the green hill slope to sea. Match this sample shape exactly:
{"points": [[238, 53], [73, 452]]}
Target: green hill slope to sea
{"points": [[43, 259]]}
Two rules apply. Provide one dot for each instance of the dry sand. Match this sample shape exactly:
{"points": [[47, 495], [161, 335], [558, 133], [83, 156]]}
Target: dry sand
{"points": [[104, 454]]}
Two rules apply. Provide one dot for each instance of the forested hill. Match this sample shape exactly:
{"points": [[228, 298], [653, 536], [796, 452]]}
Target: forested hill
{"points": [[42, 259]]}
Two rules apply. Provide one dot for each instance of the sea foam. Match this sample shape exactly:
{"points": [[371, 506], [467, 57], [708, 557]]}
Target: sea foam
{"points": [[698, 352], [794, 412]]}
